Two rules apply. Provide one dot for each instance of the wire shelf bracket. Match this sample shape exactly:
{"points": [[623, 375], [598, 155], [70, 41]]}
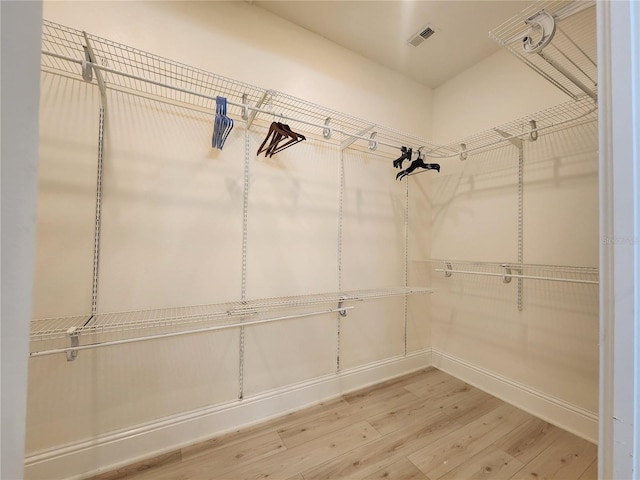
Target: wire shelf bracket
{"points": [[557, 39]]}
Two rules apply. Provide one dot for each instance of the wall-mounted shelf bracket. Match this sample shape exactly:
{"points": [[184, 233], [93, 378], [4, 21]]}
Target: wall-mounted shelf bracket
{"points": [[87, 71], [75, 342], [533, 134], [245, 107], [341, 309], [350, 140], [543, 26], [515, 141], [372, 143], [509, 273], [265, 99], [447, 270], [464, 154], [326, 132], [90, 57]]}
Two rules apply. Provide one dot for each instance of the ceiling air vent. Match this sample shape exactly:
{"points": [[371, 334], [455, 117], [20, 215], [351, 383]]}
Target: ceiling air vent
{"points": [[422, 35]]}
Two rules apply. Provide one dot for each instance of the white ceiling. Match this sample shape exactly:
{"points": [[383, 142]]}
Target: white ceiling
{"points": [[379, 30]]}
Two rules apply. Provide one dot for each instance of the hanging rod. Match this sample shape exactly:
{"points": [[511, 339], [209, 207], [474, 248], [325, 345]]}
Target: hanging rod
{"points": [[71, 350], [372, 143], [511, 275]]}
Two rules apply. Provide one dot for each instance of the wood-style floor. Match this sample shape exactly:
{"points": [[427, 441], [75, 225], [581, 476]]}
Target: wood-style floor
{"points": [[424, 426]]}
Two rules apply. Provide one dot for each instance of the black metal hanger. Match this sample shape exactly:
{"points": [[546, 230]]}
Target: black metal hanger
{"points": [[417, 163]]}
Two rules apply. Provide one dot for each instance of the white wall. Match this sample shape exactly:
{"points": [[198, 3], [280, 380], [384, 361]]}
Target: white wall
{"points": [[172, 228], [20, 25], [495, 91], [551, 346]]}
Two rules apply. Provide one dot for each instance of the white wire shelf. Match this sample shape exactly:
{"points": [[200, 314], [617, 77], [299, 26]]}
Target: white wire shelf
{"points": [[135, 71], [228, 314], [132, 70], [528, 128], [569, 59], [508, 271]]}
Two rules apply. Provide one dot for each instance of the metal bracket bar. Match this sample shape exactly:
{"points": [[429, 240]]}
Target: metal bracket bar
{"points": [[507, 276], [515, 141], [569, 76], [266, 97], [349, 141], [533, 134], [245, 109], [447, 270], [373, 145], [87, 71], [464, 154], [92, 58], [326, 132], [75, 342], [341, 309]]}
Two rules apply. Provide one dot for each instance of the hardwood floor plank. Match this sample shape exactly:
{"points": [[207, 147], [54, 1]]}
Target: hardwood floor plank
{"points": [[407, 413], [402, 469], [452, 450], [172, 458], [590, 473], [393, 384], [568, 457], [368, 459], [389, 402], [471, 407], [529, 439], [297, 459], [490, 463], [316, 427], [285, 421], [432, 383]]}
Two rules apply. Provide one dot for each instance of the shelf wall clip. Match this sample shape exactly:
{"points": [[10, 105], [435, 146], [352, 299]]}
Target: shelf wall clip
{"points": [[373, 145], [464, 154], [87, 69], [75, 342], [245, 108], [447, 269], [326, 132], [264, 100], [507, 273], [533, 134], [341, 310]]}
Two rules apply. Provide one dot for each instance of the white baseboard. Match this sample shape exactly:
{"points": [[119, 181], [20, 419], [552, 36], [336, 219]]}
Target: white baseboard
{"points": [[117, 449], [572, 418]]}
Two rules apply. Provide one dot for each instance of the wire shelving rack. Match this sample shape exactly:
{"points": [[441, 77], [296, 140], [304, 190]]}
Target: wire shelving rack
{"points": [[131, 70], [77, 54], [569, 59]]}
